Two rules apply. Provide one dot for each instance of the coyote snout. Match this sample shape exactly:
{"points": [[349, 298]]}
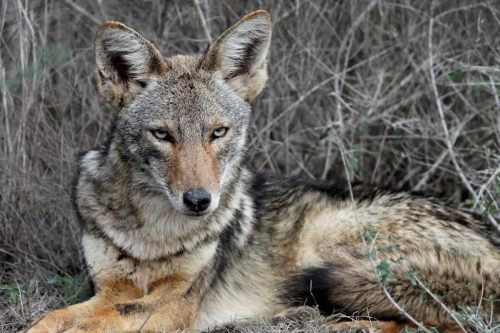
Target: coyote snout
{"points": [[196, 202], [192, 173]]}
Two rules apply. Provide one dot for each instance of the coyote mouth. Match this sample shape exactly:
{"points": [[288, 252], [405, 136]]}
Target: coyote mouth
{"points": [[201, 214]]}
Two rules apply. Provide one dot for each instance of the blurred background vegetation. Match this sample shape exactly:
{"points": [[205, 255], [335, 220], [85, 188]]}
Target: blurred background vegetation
{"points": [[400, 93]]}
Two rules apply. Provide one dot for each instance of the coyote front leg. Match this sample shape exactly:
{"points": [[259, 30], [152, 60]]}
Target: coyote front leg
{"points": [[107, 292], [167, 307]]}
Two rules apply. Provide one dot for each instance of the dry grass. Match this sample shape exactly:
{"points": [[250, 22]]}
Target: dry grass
{"points": [[410, 90]]}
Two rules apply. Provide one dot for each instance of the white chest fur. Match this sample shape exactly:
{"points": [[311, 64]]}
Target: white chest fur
{"points": [[106, 261]]}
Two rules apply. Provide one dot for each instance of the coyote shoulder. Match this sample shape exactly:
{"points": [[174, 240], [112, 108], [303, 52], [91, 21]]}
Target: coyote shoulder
{"points": [[179, 234]]}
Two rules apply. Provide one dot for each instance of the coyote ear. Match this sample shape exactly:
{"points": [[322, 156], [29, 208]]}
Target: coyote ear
{"points": [[126, 61], [240, 53]]}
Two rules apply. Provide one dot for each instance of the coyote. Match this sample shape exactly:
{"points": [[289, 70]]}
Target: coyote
{"points": [[179, 234]]}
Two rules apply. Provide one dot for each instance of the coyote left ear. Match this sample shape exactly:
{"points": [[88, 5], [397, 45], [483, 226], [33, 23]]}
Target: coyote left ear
{"points": [[240, 53], [126, 62]]}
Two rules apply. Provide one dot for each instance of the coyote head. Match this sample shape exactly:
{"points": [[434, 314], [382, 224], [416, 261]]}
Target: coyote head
{"points": [[182, 121]]}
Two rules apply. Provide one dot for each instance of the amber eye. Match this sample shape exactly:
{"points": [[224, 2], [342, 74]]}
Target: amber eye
{"points": [[162, 135], [219, 132]]}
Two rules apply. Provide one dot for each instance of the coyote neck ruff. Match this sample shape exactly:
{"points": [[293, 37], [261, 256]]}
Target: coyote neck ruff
{"points": [[178, 234]]}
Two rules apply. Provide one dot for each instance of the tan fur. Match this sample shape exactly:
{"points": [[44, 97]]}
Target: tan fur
{"points": [[333, 233], [196, 168]]}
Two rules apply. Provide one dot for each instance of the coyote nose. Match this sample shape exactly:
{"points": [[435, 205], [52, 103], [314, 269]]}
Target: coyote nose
{"points": [[196, 200]]}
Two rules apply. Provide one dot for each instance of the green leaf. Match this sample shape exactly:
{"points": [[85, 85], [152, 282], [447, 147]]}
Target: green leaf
{"points": [[13, 296], [384, 271], [369, 234], [11, 290], [456, 75], [476, 91], [469, 202], [325, 133], [412, 276]]}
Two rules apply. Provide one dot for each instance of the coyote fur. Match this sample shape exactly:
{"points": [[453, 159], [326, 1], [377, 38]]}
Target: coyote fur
{"points": [[179, 234]]}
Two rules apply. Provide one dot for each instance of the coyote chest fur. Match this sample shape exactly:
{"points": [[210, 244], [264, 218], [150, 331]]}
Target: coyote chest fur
{"points": [[178, 234]]}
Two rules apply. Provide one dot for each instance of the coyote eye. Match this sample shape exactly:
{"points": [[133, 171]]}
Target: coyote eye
{"points": [[219, 132], [162, 135]]}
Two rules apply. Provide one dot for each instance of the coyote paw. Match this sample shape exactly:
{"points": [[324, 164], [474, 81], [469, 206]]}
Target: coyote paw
{"points": [[95, 325], [353, 327], [354, 330], [54, 322], [365, 326]]}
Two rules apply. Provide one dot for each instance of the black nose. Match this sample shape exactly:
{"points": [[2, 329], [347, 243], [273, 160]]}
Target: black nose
{"points": [[196, 200]]}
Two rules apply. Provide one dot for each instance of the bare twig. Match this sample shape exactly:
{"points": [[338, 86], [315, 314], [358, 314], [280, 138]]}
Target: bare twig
{"points": [[82, 11], [203, 22]]}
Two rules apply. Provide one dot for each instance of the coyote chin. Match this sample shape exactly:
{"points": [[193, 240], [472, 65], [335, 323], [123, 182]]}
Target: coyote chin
{"points": [[179, 234]]}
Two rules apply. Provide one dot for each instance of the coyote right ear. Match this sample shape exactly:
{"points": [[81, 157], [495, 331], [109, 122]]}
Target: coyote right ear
{"points": [[240, 54], [125, 62]]}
